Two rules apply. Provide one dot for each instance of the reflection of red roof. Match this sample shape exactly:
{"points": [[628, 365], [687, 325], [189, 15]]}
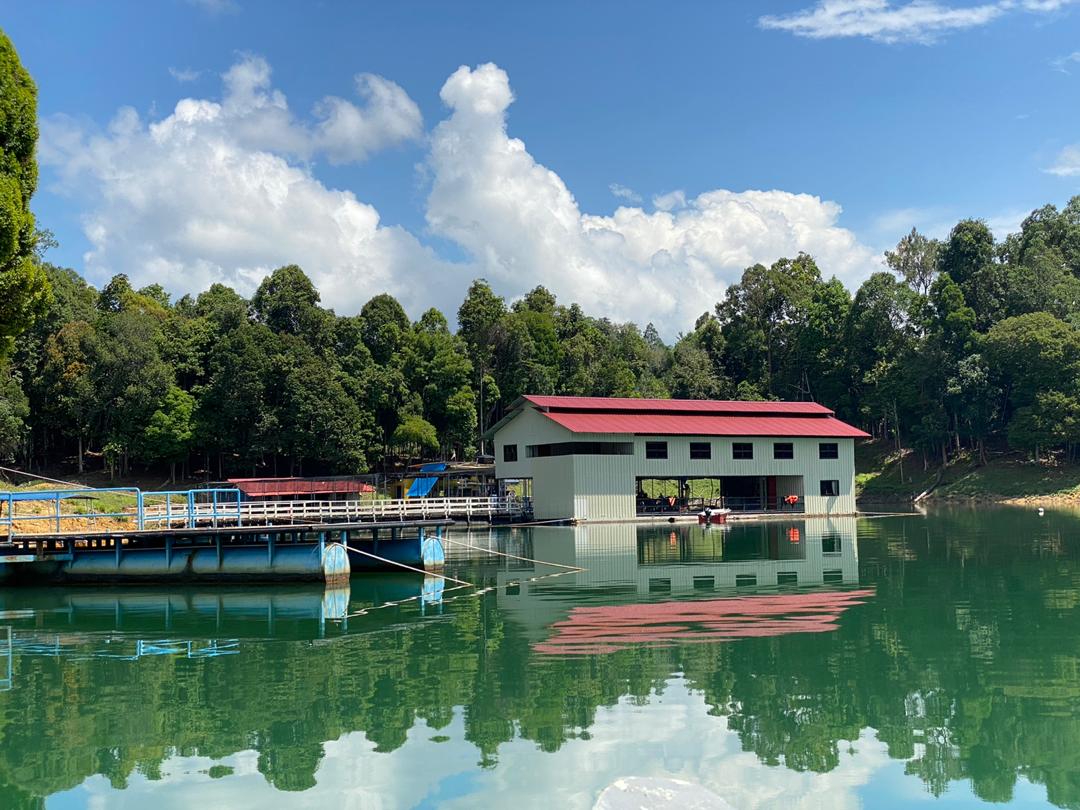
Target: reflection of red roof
{"points": [[590, 630], [264, 487], [691, 417]]}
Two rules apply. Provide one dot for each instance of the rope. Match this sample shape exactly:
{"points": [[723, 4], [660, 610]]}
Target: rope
{"points": [[512, 556], [461, 582], [43, 478]]}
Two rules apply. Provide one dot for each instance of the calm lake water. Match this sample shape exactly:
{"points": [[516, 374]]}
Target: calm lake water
{"points": [[931, 660]]}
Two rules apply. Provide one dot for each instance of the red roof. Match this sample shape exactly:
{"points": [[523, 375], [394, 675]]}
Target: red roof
{"points": [[699, 406], [660, 424], [263, 487]]}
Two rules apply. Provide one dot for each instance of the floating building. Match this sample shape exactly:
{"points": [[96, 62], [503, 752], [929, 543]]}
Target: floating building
{"points": [[609, 459]]}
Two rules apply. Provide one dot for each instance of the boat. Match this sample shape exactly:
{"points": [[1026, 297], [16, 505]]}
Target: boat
{"points": [[713, 517]]}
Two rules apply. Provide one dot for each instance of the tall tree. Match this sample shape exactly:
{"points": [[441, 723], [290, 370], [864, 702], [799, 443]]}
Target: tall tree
{"points": [[24, 287]]}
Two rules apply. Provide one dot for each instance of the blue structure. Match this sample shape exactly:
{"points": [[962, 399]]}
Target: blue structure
{"points": [[193, 536]]}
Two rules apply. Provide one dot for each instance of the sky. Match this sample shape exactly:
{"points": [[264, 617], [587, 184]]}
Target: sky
{"points": [[632, 157]]}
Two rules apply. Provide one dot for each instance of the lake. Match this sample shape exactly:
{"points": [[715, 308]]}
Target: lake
{"points": [[874, 663]]}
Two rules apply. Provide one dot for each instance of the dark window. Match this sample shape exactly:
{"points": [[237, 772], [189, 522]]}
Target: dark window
{"points": [[787, 578], [783, 450], [580, 449], [509, 452], [832, 576], [830, 489], [745, 579], [704, 583], [700, 450], [828, 450], [655, 449], [742, 450], [830, 544], [660, 585], [513, 588]]}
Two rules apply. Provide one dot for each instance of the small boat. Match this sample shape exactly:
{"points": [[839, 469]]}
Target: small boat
{"points": [[713, 517]]}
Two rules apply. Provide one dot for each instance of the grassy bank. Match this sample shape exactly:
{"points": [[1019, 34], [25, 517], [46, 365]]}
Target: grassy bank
{"points": [[1006, 476]]}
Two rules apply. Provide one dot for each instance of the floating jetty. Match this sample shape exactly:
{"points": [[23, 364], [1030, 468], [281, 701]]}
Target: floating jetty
{"points": [[197, 536]]}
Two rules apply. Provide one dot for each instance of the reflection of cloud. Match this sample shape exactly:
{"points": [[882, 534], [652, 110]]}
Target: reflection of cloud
{"points": [[672, 736]]}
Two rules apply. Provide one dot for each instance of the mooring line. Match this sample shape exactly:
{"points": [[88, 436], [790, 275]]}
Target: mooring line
{"points": [[512, 556], [408, 567], [43, 478]]}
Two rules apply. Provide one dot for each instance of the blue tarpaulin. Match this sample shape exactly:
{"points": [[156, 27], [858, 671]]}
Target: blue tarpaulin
{"points": [[437, 466], [421, 487]]}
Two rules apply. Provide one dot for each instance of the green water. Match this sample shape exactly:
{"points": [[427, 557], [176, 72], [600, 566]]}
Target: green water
{"points": [[931, 660]]}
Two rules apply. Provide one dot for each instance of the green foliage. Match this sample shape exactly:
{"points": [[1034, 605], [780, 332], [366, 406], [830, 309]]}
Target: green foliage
{"points": [[24, 287], [416, 435]]}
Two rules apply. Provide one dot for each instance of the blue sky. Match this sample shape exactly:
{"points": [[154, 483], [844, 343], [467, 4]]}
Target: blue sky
{"points": [[886, 114]]}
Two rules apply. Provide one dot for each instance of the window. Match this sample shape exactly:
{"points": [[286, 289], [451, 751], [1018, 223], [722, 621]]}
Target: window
{"points": [[745, 580], [660, 585], [830, 544], [580, 449], [830, 489], [828, 450], [655, 449], [509, 452], [787, 578], [783, 450], [704, 583], [513, 589], [700, 450], [832, 576], [742, 450]]}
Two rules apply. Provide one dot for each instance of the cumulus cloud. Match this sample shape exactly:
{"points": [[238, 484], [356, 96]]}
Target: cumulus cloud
{"points": [[208, 194], [522, 225], [922, 21], [222, 190], [1067, 163]]}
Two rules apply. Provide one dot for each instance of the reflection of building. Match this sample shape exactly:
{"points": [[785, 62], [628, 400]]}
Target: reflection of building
{"points": [[600, 459], [625, 562]]}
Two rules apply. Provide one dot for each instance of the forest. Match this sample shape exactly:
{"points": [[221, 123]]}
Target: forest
{"points": [[965, 344]]}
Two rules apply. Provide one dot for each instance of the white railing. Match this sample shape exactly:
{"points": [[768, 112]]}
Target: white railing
{"points": [[482, 508]]}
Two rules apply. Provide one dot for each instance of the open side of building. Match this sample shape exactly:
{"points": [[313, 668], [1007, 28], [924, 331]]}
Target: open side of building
{"points": [[600, 459]]}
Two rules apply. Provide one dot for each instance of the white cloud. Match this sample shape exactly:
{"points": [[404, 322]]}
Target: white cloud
{"points": [[1067, 163], [220, 190], [1062, 63], [206, 194], [183, 75], [259, 116], [922, 21], [624, 193], [523, 227]]}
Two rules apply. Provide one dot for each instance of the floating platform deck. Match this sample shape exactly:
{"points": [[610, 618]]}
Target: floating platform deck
{"points": [[198, 542]]}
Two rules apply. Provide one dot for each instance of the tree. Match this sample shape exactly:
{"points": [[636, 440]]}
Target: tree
{"points": [[415, 435], [385, 327], [24, 287], [915, 260], [168, 435], [69, 382], [288, 303]]}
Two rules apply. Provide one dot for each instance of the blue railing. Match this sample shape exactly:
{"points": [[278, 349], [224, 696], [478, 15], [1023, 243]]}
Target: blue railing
{"points": [[143, 510]]}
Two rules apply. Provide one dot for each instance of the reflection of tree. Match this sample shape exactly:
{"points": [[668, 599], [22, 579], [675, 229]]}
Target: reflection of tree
{"points": [[966, 663]]}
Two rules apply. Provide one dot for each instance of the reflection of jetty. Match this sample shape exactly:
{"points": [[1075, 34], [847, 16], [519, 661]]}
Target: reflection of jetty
{"points": [[198, 535]]}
